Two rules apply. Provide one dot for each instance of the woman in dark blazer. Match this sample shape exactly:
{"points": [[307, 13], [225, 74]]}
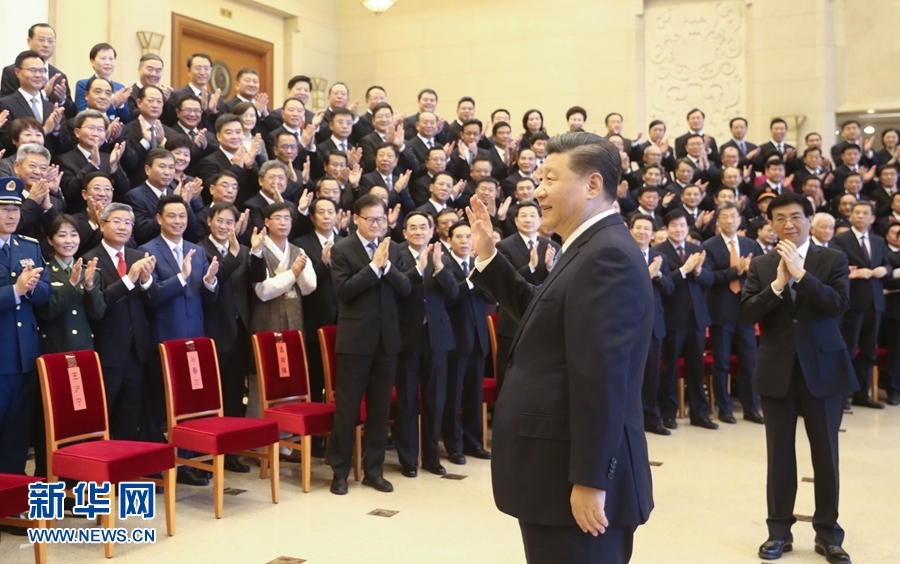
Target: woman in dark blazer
{"points": [[77, 293]]}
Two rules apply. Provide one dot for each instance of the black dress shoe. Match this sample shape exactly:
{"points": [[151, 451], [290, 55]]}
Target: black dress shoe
{"points": [[192, 477], [833, 553], [409, 471], [727, 418], [378, 483], [893, 399], [670, 423], [866, 401], [339, 486], [318, 449], [847, 404], [477, 452], [292, 458], [754, 417], [772, 549], [14, 531], [233, 464], [705, 423], [457, 458], [434, 469], [657, 430]]}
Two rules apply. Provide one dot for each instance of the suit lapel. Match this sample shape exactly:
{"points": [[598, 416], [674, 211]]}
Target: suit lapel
{"points": [[163, 249], [361, 250]]}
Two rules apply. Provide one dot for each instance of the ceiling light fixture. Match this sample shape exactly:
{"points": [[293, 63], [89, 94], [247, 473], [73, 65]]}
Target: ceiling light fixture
{"points": [[378, 6]]}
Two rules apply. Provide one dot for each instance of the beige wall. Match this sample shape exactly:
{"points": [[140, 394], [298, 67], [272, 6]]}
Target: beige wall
{"points": [[304, 32], [867, 55]]}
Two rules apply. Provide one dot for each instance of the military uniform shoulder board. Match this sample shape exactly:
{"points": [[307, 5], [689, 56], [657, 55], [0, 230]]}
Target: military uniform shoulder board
{"points": [[30, 239]]}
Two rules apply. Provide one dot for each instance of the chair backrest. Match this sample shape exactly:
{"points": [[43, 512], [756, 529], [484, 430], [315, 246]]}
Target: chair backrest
{"points": [[74, 397], [328, 343], [282, 376], [492, 333], [190, 395]]}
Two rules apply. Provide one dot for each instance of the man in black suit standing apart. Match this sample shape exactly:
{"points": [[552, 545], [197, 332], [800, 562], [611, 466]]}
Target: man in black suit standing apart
{"points": [[368, 279], [797, 294], [869, 264], [570, 414], [728, 256], [122, 335], [642, 229]]}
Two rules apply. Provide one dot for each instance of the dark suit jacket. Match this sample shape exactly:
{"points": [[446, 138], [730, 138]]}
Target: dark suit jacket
{"points": [[320, 307], [248, 178], [143, 202], [656, 218], [662, 286], [124, 324], [808, 330], [516, 252], [864, 160], [569, 413], [177, 310], [725, 305], [236, 273], [168, 117], [18, 107], [499, 169], [410, 131], [75, 166], [744, 161], [134, 135], [680, 151], [209, 120], [468, 316], [892, 300], [367, 311], [768, 149], [881, 199], [428, 298], [687, 301], [10, 83], [864, 293]]}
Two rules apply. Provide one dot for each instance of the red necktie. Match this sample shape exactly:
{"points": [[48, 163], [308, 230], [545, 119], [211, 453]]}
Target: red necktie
{"points": [[120, 265]]}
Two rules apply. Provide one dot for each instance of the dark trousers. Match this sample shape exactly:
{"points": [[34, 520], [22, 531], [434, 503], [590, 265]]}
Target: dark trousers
{"points": [[860, 330], [372, 376], [569, 545], [890, 340], [740, 339], [233, 365], [429, 369], [124, 395], [822, 418], [650, 386], [153, 403], [687, 344], [17, 396], [465, 381], [504, 343], [38, 432]]}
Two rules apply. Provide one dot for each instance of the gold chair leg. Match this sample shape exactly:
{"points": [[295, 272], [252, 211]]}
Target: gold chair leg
{"points": [[484, 426], [219, 484], [357, 454], [274, 452], [305, 460], [875, 384], [109, 521], [169, 497], [681, 398], [40, 548]]}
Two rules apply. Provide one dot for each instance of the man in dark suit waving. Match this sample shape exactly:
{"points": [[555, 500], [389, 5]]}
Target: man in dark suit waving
{"points": [[570, 457], [368, 279], [798, 294]]}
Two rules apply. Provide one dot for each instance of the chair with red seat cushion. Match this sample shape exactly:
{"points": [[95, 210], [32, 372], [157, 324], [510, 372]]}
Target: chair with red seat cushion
{"points": [[13, 501], [196, 421], [284, 394], [328, 343], [489, 385], [77, 429]]}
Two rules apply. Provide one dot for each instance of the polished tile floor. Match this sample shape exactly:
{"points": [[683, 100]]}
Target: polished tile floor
{"points": [[709, 492]]}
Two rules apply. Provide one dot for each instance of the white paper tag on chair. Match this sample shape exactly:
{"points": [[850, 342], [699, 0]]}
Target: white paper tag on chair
{"points": [[193, 360], [77, 387], [284, 370]]}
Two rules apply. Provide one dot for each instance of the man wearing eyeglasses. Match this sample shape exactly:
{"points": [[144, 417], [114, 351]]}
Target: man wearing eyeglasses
{"points": [[28, 100], [369, 278], [798, 294], [42, 40], [122, 335]]}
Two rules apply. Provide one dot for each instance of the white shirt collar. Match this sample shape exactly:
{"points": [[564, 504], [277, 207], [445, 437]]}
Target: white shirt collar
{"points": [[816, 241], [172, 245], [227, 154], [585, 226], [222, 248], [735, 239], [194, 89], [437, 205], [526, 239], [337, 142], [85, 152], [113, 254], [365, 242], [323, 240], [646, 212], [426, 139], [29, 98], [159, 192], [803, 249], [859, 234], [185, 129]]}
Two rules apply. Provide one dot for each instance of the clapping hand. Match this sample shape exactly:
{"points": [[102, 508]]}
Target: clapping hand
{"points": [[654, 265], [482, 228], [257, 239], [422, 261], [211, 272], [381, 258]]}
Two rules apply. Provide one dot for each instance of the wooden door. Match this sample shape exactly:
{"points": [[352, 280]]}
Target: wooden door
{"points": [[230, 52]]}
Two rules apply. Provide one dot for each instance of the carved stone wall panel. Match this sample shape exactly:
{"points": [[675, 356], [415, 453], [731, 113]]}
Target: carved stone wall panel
{"points": [[695, 58]]}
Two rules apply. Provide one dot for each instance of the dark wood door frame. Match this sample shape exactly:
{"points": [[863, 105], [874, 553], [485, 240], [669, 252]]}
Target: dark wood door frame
{"points": [[183, 25]]}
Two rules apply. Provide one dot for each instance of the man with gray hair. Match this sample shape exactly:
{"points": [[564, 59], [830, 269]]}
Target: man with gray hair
{"points": [[85, 158], [122, 336], [41, 199], [822, 229], [273, 181]]}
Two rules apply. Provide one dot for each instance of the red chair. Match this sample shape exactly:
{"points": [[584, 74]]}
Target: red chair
{"points": [[195, 418], [284, 394], [489, 385], [77, 429], [14, 500], [328, 343]]}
